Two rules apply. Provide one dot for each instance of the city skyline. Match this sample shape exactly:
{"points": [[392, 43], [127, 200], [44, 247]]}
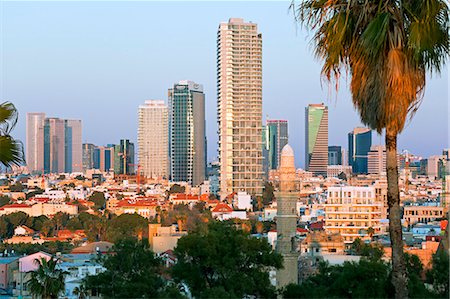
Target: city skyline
{"points": [[294, 66]]}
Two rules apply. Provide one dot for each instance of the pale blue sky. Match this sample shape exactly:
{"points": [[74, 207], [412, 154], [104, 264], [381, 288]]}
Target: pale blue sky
{"points": [[97, 61]]}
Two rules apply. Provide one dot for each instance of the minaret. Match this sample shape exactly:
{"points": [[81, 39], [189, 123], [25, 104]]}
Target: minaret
{"points": [[287, 219]]}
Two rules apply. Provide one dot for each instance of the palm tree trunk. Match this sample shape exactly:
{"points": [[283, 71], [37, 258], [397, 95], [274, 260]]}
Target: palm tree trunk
{"points": [[399, 275]]}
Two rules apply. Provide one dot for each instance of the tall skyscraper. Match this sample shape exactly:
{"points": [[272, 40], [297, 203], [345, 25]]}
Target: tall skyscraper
{"points": [[54, 145], [316, 138], [359, 143], [88, 156], [35, 142], [187, 133], [334, 155], [73, 146], [124, 157], [277, 132], [153, 139], [239, 107], [104, 158]]}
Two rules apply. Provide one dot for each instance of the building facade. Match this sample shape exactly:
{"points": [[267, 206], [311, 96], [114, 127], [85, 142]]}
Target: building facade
{"points": [[316, 139], [353, 212], [153, 139], [376, 160], [73, 146], [277, 138], [35, 142], [88, 156], [187, 135], [54, 145], [239, 107], [334, 155], [124, 157], [359, 143]]}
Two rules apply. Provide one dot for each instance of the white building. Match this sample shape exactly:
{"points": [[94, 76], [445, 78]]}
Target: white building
{"points": [[243, 201], [351, 211], [153, 139], [334, 171], [376, 159]]}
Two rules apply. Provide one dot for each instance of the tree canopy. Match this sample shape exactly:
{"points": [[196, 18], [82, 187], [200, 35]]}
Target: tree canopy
{"points": [[225, 262]]}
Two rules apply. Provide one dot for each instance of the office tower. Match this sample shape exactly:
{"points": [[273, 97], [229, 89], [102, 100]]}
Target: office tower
{"points": [[35, 142], [88, 156], [359, 143], [54, 145], [376, 160], [124, 157], [187, 133], [344, 209], [103, 158], [153, 139], [433, 166], [334, 155], [277, 132], [73, 146], [287, 219], [239, 107], [316, 139], [344, 157]]}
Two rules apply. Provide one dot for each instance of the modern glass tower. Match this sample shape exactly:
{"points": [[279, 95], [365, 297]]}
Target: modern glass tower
{"points": [[334, 155], [277, 131], [73, 146], [88, 156], [359, 143], [187, 133], [35, 142], [124, 157], [316, 139], [153, 139], [239, 107]]}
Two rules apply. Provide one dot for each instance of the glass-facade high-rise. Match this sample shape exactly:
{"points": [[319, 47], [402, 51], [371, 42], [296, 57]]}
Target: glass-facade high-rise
{"points": [[35, 142], [124, 157], [335, 155], [277, 132], [359, 143], [316, 139], [239, 107], [88, 156], [187, 133]]}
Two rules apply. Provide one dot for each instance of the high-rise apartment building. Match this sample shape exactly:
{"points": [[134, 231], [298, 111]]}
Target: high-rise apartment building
{"points": [[124, 157], [359, 143], [153, 139], [239, 107], [334, 155], [73, 146], [316, 139], [35, 142], [277, 138], [187, 133], [376, 160], [88, 156]]}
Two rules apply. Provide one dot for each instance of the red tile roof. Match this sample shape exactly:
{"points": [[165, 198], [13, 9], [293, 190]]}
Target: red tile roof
{"points": [[222, 208]]}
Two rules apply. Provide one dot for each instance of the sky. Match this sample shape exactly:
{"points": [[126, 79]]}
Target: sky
{"points": [[98, 61]]}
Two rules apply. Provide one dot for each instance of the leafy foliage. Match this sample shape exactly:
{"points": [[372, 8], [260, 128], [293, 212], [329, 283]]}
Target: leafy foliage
{"points": [[124, 226], [438, 276], [224, 262], [11, 150], [131, 272], [99, 200]]}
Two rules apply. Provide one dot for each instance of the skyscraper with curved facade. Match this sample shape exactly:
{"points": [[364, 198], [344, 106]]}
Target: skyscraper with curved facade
{"points": [[239, 107]]}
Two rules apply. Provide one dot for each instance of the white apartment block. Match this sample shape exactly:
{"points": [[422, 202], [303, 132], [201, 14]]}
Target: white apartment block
{"points": [[351, 211], [153, 139], [239, 107]]}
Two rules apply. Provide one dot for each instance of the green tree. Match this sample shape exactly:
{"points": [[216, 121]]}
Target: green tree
{"points": [[11, 150], [268, 195], [80, 292], [4, 200], [34, 193], [175, 188], [99, 200], [126, 225], [225, 262], [438, 275], [17, 187], [386, 47], [131, 272], [47, 281]]}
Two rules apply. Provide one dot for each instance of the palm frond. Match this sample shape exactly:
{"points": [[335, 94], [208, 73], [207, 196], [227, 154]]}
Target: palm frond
{"points": [[8, 117], [11, 152]]}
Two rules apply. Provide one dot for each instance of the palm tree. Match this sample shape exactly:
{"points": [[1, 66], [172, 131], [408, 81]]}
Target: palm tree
{"points": [[47, 281], [11, 151], [80, 292], [386, 46]]}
